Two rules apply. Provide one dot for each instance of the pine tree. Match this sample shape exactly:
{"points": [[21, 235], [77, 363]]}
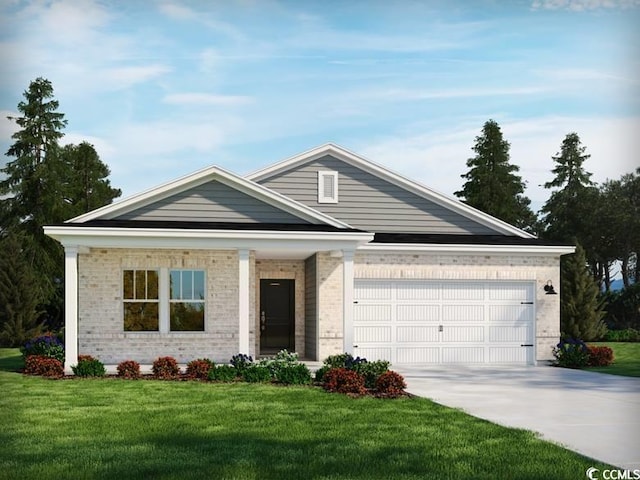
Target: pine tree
{"points": [[581, 309], [20, 295], [492, 184], [89, 188]]}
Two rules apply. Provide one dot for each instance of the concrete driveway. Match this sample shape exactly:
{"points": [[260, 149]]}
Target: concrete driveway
{"points": [[595, 414]]}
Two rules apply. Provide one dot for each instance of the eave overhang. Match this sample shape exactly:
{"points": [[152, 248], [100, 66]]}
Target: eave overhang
{"points": [[467, 249]]}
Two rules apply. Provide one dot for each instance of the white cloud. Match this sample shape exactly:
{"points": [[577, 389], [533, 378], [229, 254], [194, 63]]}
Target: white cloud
{"points": [[206, 99], [438, 158], [124, 77], [582, 5], [395, 94]]}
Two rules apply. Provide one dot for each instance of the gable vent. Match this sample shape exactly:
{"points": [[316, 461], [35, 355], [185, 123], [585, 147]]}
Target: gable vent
{"points": [[327, 187]]}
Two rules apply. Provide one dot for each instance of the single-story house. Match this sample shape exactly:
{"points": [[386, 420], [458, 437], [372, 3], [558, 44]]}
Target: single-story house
{"points": [[322, 253]]}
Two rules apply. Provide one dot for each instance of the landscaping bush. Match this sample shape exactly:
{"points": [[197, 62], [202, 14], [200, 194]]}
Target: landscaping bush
{"points": [[255, 373], [47, 345], [341, 380], [165, 368], [129, 369], [343, 360], [571, 353], [599, 356], [296, 374], [88, 367], [283, 359], [626, 335], [223, 373], [371, 371], [199, 369], [391, 384], [241, 362], [43, 365], [321, 372]]}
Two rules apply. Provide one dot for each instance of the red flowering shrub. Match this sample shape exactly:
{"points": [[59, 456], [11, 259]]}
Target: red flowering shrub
{"points": [[341, 380], [599, 356], [129, 369], [199, 369], [165, 368], [85, 358], [391, 384], [45, 366]]}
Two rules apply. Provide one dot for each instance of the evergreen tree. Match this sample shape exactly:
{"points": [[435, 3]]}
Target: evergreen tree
{"points": [[89, 188], [31, 192], [568, 212], [492, 184], [581, 308], [20, 295]]}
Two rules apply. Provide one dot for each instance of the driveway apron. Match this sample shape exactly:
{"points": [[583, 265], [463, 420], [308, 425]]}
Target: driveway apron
{"points": [[595, 414]]}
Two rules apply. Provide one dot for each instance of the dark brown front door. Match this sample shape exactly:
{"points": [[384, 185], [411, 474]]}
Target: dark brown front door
{"points": [[276, 316]]}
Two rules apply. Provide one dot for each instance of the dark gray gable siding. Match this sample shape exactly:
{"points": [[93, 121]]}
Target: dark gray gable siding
{"points": [[368, 202], [212, 202]]}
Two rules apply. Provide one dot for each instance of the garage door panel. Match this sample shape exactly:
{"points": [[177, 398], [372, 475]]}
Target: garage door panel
{"points": [[416, 290], [373, 290], [379, 353], [463, 334], [417, 355], [417, 334], [516, 313], [462, 291], [372, 334], [462, 355], [508, 354], [372, 313], [508, 333], [510, 291], [463, 313], [418, 313]]}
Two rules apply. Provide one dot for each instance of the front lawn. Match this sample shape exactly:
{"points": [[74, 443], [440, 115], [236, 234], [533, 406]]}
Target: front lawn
{"points": [[626, 359], [111, 428]]}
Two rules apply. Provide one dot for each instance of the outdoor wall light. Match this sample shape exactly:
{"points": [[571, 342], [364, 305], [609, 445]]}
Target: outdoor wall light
{"points": [[548, 288]]}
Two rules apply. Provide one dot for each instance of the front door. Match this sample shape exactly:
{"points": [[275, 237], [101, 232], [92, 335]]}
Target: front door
{"points": [[276, 316]]}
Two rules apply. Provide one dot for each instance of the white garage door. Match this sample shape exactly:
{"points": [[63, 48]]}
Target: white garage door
{"points": [[426, 322]]}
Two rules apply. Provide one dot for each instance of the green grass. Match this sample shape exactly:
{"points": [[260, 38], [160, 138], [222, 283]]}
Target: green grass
{"points": [[626, 359], [11, 360], [111, 428]]}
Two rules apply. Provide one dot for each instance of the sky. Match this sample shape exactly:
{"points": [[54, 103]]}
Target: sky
{"points": [[165, 88]]}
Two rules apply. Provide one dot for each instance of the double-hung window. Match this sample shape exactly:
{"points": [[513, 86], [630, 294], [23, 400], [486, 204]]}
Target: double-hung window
{"points": [[186, 301], [140, 295], [164, 300]]}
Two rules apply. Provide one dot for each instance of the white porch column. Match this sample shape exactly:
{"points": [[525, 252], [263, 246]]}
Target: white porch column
{"points": [[243, 301], [70, 307], [347, 298]]}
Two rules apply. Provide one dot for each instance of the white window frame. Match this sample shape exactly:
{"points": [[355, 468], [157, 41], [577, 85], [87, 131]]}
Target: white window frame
{"points": [[142, 300], [164, 300], [323, 176], [186, 300]]}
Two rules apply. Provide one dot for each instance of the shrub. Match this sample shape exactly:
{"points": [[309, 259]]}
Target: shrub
{"points": [[341, 380], [43, 365], [296, 374], [47, 345], [283, 359], [626, 335], [89, 367], [600, 356], [129, 369], [241, 362], [256, 373], [571, 353], [223, 373], [165, 368], [321, 372], [371, 371], [391, 384], [343, 360], [199, 369]]}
